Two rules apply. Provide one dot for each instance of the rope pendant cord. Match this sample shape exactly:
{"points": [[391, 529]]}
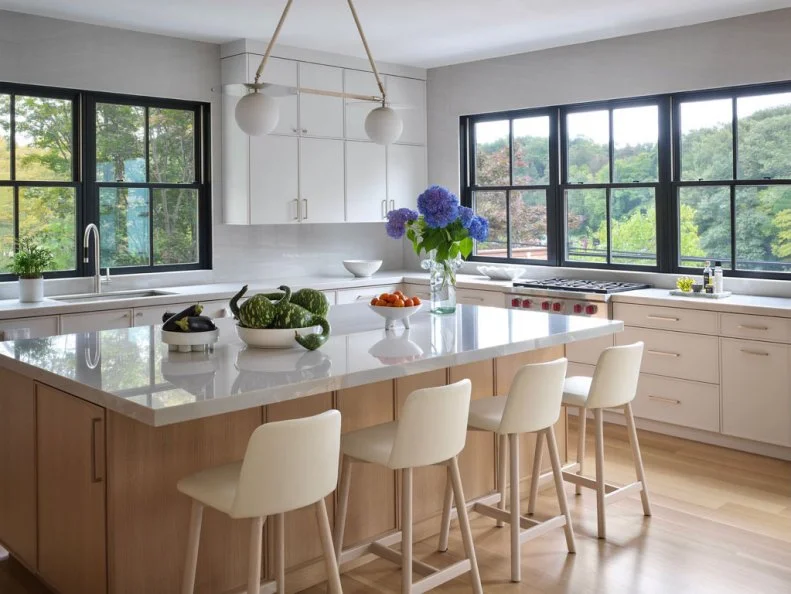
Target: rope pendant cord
{"points": [[368, 51], [272, 41]]}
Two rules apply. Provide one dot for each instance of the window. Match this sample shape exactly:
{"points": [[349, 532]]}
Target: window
{"points": [[134, 166]]}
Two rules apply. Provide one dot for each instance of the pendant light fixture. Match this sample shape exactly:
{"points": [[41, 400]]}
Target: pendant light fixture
{"points": [[257, 113]]}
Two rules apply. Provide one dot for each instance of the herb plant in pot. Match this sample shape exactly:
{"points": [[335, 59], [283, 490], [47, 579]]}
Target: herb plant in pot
{"points": [[29, 263]]}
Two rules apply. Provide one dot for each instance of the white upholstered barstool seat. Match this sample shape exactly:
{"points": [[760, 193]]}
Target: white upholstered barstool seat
{"points": [[532, 406], [288, 465], [613, 385], [432, 430]]}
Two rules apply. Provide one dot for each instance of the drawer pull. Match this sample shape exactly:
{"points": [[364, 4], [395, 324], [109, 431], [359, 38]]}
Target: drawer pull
{"points": [[663, 399], [758, 353], [663, 318], [749, 327], [473, 298], [663, 353]]}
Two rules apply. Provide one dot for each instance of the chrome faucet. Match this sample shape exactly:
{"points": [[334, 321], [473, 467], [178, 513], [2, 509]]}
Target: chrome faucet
{"points": [[97, 276]]}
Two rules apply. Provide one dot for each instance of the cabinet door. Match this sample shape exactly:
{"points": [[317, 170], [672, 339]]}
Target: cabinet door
{"points": [[321, 180], [235, 148], [320, 115], [755, 395], [409, 93], [28, 328], [475, 297], [152, 315], [406, 175], [72, 550], [366, 186], [274, 173], [281, 72], [361, 83], [99, 320]]}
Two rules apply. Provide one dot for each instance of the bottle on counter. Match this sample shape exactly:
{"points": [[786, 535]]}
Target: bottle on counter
{"points": [[718, 278], [706, 275]]}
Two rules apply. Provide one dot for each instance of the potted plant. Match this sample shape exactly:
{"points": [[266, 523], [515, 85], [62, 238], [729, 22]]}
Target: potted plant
{"points": [[29, 263]]}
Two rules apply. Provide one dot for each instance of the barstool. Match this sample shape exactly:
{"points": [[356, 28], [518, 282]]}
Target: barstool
{"points": [[613, 385], [432, 430], [532, 406], [287, 465]]}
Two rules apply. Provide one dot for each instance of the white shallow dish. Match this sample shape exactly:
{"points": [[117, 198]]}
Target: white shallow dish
{"points": [[271, 338], [362, 268], [505, 273], [394, 314], [185, 342], [701, 294]]}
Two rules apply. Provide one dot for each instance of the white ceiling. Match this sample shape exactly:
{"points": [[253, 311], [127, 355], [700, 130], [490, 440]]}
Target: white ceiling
{"points": [[422, 33]]}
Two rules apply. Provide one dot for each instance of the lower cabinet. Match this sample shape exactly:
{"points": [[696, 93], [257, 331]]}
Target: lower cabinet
{"points": [[99, 320], [756, 401], [679, 402], [72, 550], [475, 297], [29, 327], [363, 293]]}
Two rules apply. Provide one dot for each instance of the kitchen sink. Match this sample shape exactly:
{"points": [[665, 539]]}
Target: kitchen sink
{"points": [[119, 295]]}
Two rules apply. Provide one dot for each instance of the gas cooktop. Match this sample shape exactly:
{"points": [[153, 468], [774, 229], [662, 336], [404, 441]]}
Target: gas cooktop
{"points": [[581, 286]]}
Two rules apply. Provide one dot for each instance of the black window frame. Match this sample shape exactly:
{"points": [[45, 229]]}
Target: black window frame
{"points": [[84, 173]]}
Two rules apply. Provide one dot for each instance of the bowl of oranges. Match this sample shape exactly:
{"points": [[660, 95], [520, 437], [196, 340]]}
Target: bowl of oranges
{"points": [[396, 307]]}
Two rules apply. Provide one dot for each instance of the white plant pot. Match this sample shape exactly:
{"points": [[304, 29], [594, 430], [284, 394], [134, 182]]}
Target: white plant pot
{"points": [[31, 290]]}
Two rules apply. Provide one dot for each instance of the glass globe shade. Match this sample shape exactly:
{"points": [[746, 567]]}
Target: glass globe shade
{"points": [[257, 114], [383, 125]]}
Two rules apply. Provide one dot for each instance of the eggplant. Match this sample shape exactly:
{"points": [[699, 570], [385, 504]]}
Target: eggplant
{"points": [[169, 319], [195, 324]]}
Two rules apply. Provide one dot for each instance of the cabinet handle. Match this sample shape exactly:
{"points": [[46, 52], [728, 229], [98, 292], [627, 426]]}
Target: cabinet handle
{"points": [[296, 205], [366, 297], [305, 201], [126, 315], [95, 478], [139, 314], [304, 130], [472, 298], [749, 327], [384, 209], [392, 205], [294, 130], [758, 353], [663, 353], [663, 318], [663, 399]]}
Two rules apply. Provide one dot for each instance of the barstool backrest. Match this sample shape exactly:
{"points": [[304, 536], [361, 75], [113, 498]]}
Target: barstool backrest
{"points": [[433, 426], [615, 378], [535, 397], [288, 465]]}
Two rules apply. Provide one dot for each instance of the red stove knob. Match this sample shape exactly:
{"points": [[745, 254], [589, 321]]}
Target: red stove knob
{"points": [[545, 305], [557, 306], [577, 308], [591, 309], [515, 302], [526, 303]]}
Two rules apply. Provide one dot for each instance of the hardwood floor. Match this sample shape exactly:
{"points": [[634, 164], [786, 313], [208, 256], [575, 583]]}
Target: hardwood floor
{"points": [[721, 524]]}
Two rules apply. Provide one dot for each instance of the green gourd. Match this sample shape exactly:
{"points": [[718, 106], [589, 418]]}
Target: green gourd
{"points": [[314, 301], [256, 312]]}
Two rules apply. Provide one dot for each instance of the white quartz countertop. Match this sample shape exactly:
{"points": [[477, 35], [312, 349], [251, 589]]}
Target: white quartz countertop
{"points": [[746, 304], [130, 371]]}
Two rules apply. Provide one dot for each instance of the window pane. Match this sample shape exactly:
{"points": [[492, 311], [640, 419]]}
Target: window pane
{"points": [[120, 143], [764, 136], [175, 226], [5, 129], [6, 228], [706, 140], [50, 215], [531, 151], [529, 224], [43, 139], [588, 147], [633, 227], [586, 225], [636, 139], [705, 225], [492, 205], [491, 154], [124, 226], [763, 228], [171, 145]]}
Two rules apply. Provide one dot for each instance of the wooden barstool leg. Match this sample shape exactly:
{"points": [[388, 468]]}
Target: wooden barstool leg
{"points": [[330, 561], [583, 421], [516, 524], [343, 505], [502, 472], [531, 504], [598, 416], [464, 524], [406, 530], [447, 505], [254, 562], [557, 474], [280, 553], [193, 544], [638, 459]]}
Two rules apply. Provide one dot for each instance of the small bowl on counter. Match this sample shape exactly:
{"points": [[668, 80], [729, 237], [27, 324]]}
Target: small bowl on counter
{"points": [[269, 338], [503, 273], [395, 314], [362, 268]]}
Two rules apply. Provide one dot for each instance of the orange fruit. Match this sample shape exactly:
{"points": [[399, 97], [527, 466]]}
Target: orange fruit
{"points": [[381, 303], [416, 300], [408, 302], [398, 303], [384, 296], [374, 300]]}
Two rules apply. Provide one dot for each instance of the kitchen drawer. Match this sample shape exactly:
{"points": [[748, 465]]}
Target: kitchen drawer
{"points": [[755, 327], [672, 354], [666, 318], [588, 351], [363, 293], [423, 292], [679, 402], [28, 328], [476, 297], [100, 320], [152, 315]]}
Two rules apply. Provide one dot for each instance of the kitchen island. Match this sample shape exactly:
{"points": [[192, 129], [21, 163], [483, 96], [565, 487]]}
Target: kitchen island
{"points": [[96, 428]]}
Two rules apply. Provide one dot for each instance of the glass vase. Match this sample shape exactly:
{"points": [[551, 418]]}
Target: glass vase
{"points": [[442, 283]]}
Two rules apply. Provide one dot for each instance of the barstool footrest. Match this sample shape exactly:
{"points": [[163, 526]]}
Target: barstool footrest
{"points": [[503, 515], [621, 492], [541, 528], [360, 550], [267, 587], [589, 483], [395, 557], [441, 576]]}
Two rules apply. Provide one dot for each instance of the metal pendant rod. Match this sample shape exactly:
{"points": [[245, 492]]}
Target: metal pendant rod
{"points": [[372, 98], [367, 51], [272, 41]]}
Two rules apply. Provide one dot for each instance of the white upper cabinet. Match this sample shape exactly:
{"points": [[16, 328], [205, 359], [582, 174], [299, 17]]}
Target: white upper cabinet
{"points": [[320, 115], [361, 83], [235, 149], [274, 190], [408, 95], [406, 175], [281, 72], [321, 180], [366, 187]]}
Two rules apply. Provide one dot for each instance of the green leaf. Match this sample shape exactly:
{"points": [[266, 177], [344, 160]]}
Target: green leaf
{"points": [[454, 251], [466, 246]]}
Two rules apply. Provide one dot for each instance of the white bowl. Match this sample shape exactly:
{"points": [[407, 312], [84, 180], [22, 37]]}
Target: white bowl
{"points": [[271, 338], [501, 272], [393, 350], [393, 314], [362, 268]]}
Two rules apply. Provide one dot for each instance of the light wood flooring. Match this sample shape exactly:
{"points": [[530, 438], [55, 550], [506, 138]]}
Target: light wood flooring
{"points": [[721, 524]]}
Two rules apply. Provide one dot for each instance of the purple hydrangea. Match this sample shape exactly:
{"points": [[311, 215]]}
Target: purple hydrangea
{"points": [[439, 206], [466, 215], [397, 220], [479, 228]]}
